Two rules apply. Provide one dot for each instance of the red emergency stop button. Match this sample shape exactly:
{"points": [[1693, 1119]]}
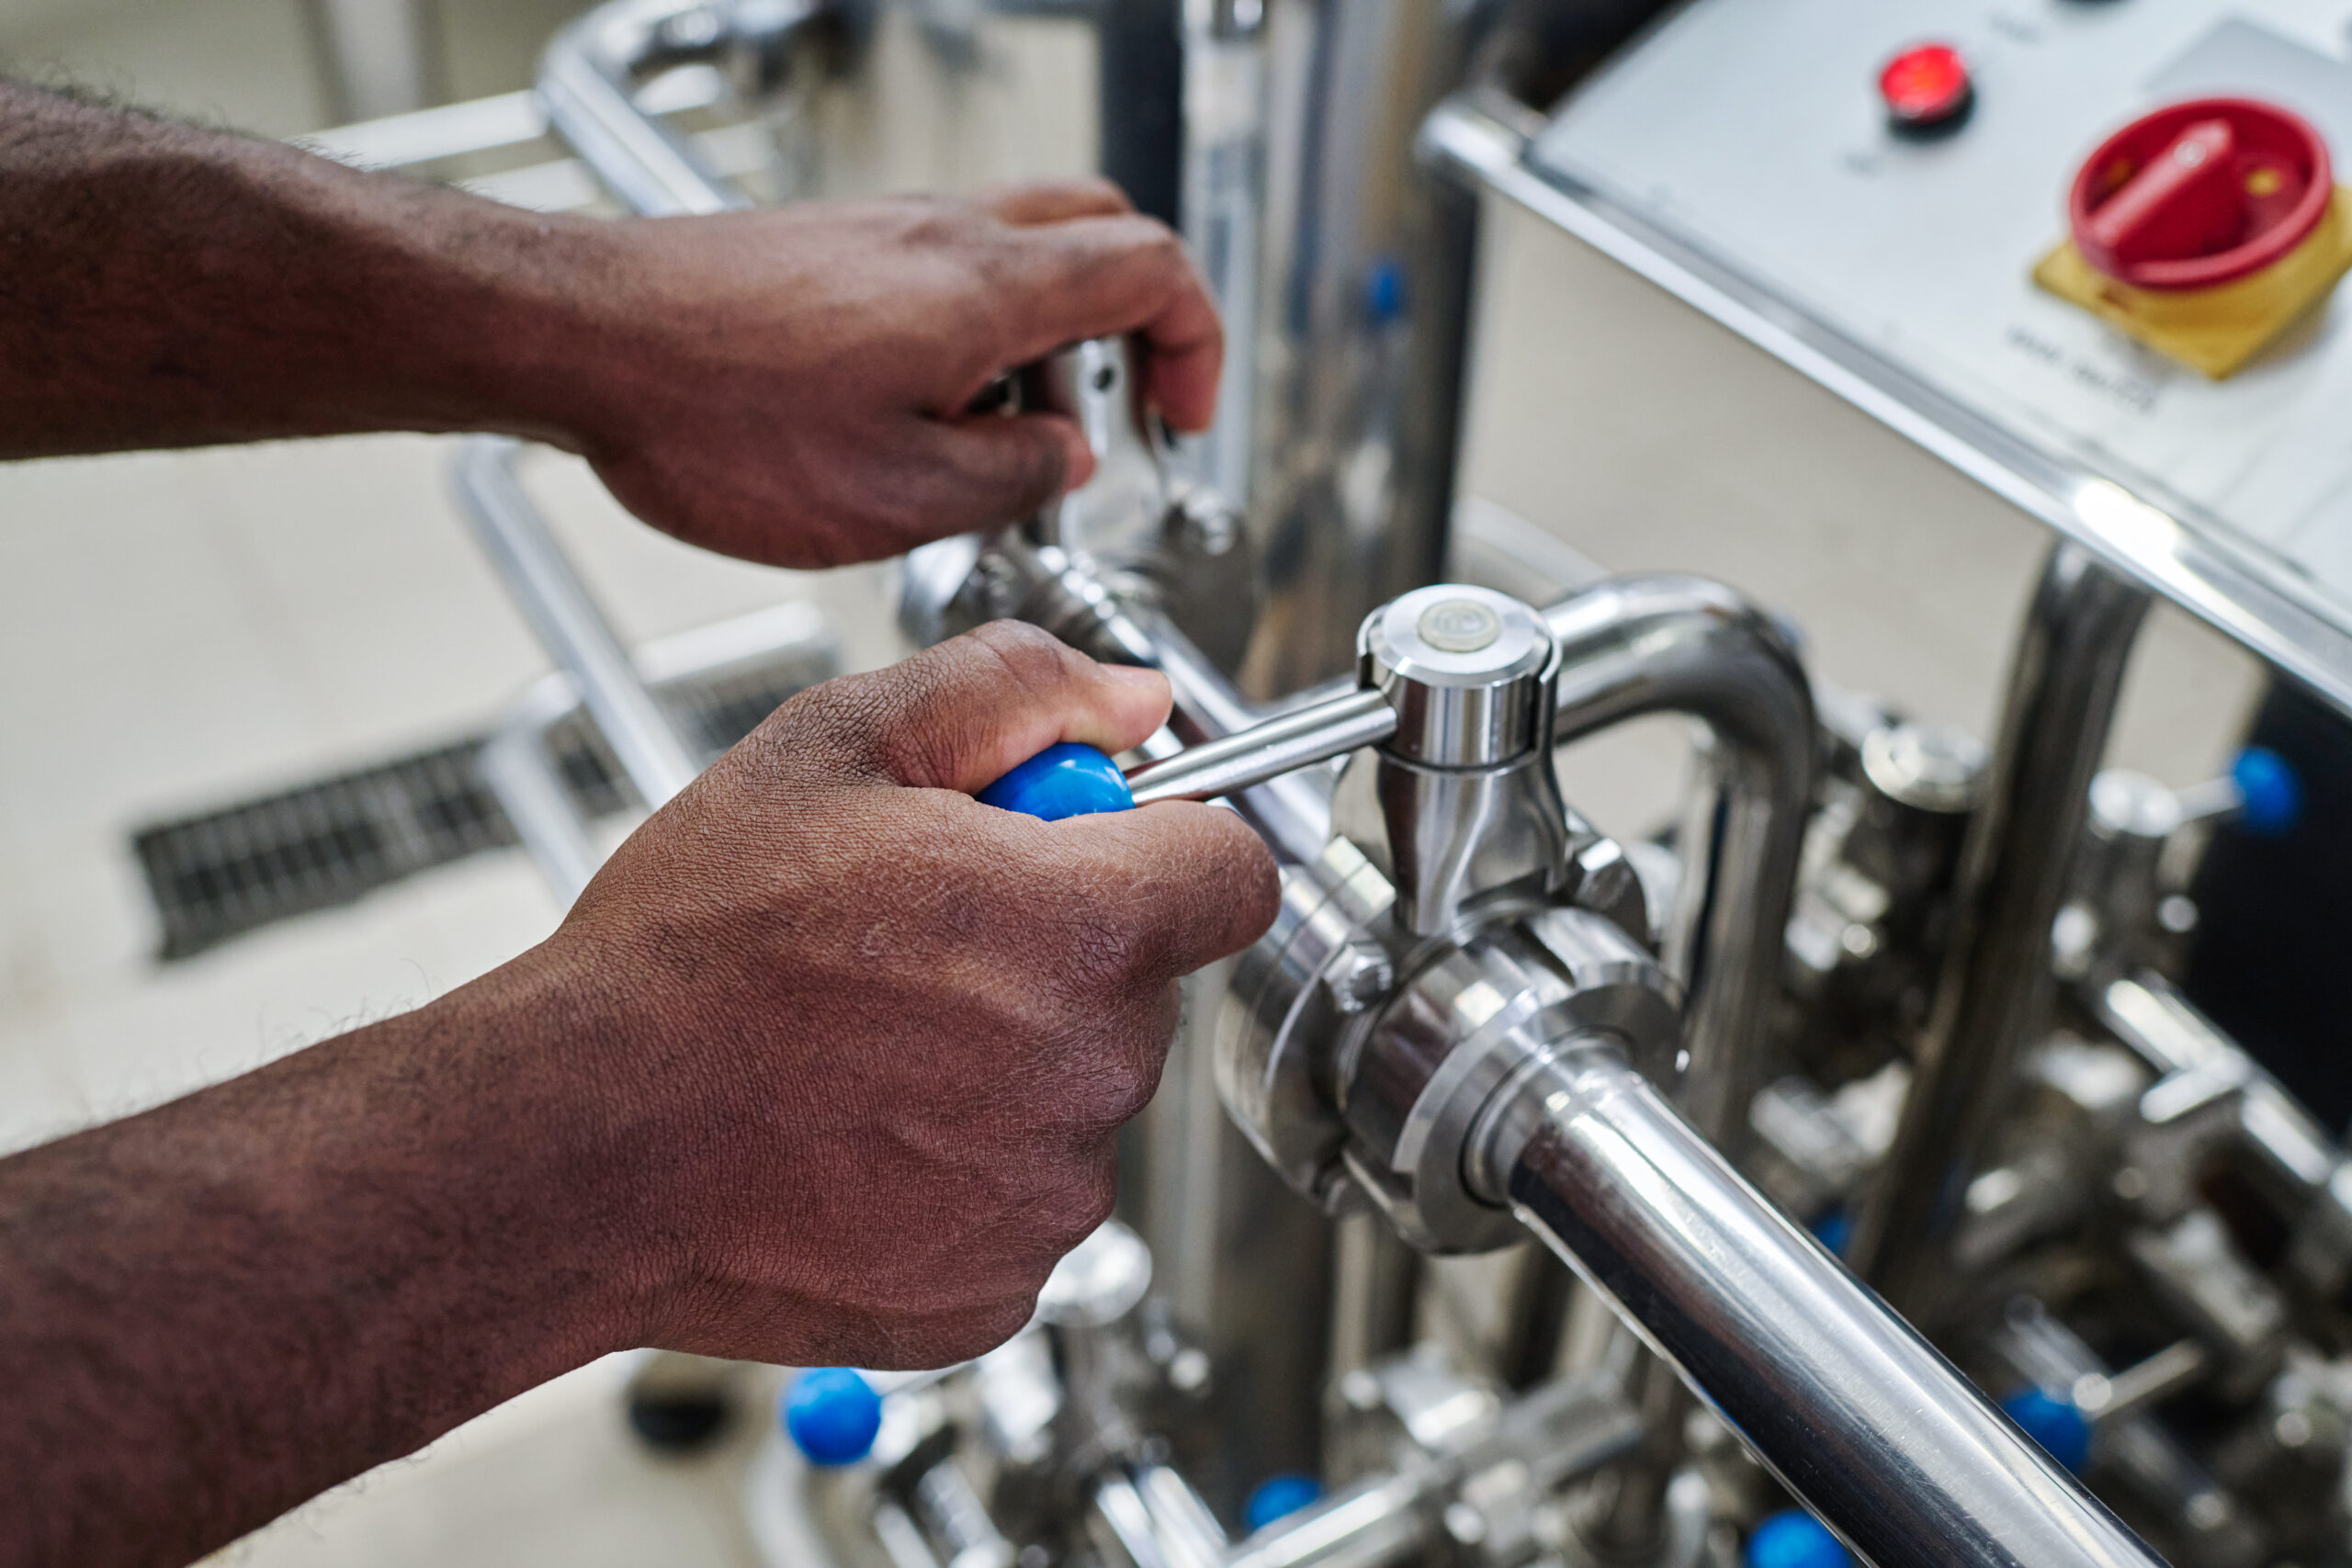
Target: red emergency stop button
{"points": [[2201, 194], [1927, 89]]}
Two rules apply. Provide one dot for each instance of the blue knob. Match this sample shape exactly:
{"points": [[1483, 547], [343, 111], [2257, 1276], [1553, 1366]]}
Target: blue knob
{"points": [[2269, 791], [2058, 1424], [832, 1414], [1794, 1539], [1065, 779], [1277, 1496], [1384, 292], [1834, 1228]]}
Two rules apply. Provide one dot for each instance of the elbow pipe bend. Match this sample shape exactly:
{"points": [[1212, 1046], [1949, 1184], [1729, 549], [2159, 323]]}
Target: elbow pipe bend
{"points": [[588, 79], [1663, 643]]}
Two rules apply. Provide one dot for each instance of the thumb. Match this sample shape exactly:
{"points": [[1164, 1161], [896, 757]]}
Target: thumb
{"points": [[964, 713]]}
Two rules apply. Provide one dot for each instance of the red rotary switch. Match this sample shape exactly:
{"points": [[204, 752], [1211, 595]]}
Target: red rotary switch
{"points": [[2201, 194], [2202, 229], [1927, 89]]}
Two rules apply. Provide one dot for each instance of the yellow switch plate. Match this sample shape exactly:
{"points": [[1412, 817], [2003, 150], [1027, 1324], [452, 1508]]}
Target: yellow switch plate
{"points": [[2212, 329]]}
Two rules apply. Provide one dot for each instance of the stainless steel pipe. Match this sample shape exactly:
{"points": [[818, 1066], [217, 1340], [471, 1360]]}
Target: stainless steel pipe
{"points": [[587, 86], [1855, 1412], [1665, 644], [1149, 1517], [1354, 287], [1997, 986], [557, 603], [1669, 644]]}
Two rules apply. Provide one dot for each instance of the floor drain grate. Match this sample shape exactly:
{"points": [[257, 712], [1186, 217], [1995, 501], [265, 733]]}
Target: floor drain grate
{"points": [[333, 841]]}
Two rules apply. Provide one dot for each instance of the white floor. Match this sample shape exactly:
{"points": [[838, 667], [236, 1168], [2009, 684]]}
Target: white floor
{"points": [[180, 631]]}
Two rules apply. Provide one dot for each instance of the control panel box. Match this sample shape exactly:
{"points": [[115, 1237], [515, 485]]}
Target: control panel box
{"points": [[1886, 177]]}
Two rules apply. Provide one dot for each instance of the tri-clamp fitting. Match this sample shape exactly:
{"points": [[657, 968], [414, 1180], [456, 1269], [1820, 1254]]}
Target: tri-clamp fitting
{"points": [[1437, 948], [1459, 927]]}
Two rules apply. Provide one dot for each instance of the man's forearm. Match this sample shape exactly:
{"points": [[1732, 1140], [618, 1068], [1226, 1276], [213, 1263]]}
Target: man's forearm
{"points": [[215, 1310], [165, 285]]}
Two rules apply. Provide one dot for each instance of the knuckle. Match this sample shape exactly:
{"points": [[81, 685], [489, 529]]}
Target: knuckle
{"points": [[1041, 464], [1032, 657], [929, 220], [1106, 940], [1155, 243], [1081, 1209], [1119, 1080], [988, 1326], [819, 722], [1098, 187]]}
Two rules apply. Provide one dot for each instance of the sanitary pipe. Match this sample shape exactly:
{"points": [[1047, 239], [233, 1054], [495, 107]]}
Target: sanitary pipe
{"points": [[557, 603], [1847, 1403], [587, 84], [1996, 987], [1669, 644]]}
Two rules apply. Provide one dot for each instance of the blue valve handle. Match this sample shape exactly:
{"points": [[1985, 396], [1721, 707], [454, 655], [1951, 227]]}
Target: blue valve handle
{"points": [[1065, 779], [2057, 1424], [2270, 793], [1278, 1497], [1794, 1539], [831, 1415]]}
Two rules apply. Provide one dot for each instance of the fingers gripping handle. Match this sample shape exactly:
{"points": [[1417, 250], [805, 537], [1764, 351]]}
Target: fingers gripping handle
{"points": [[1072, 780]]}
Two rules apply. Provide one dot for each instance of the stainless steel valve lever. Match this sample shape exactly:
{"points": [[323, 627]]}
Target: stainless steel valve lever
{"points": [[1453, 714]]}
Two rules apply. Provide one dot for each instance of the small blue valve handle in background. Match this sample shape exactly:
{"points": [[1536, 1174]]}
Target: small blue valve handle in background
{"points": [[1278, 1497], [1067, 779], [2270, 793], [1794, 1539], [831, 1413], [2055, 1422], [2261, 795]]}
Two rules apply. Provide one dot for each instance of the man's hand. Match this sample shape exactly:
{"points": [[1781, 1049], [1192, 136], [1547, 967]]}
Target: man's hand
{"points": [[787, 386], [872, 1039], [825, 1066]]}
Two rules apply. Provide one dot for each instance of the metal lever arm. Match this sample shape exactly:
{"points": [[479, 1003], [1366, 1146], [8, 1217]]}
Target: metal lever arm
{"points": [[1268, 750], [1070, 780]]}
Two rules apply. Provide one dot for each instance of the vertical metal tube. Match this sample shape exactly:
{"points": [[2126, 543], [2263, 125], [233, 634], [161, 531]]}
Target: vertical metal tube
{"points": [[1844, 1401], [586, 86], [1375, 1279], [1224, 191], [573, 629], [1251, 1260], [1665, 644], [1141, 59], [515, 763], [1997, 986], [1360, 301], [377, 57], [1641, 644]]}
